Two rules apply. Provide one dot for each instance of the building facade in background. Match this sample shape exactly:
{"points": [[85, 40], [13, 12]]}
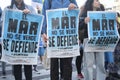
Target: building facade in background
{"points": [[116, 6]]}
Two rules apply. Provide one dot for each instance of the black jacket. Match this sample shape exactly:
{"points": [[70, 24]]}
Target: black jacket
{"points": [[82, 27]]}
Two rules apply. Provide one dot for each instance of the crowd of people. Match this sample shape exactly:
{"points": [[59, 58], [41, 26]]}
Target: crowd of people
{"points": [[105, 62]]}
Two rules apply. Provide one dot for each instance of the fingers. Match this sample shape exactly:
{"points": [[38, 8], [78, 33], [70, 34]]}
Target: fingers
{"points": [[72, 6], [26, 11], [44, 36], [87, 19]]}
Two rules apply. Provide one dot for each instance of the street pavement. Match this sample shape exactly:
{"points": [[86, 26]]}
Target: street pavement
{"points": [[42, 73]]}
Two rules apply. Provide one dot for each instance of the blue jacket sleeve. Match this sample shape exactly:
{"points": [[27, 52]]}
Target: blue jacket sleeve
{"points": [[46, 6], [74, 1]]}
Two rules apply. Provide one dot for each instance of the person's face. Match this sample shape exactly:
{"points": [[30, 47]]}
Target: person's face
{"points": [[19, 1], [96, 4]]}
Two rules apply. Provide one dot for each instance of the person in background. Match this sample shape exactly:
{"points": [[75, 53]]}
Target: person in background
{"points": [[80, 57], [91, 58], [3, 64], [79, 63], [0, 32], [38, 9], [42, 45], [17, 69], [0, 22], [110, 66], [108, 55], [109, 58], [66, 62], [42, 48], [41, 51], [114, 67]]}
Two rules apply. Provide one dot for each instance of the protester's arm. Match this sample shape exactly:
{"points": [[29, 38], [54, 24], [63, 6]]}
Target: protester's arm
{"points": [[29, 9], [46, 6], [82, 23], [73, 5], [26, 11], [74, 2]]}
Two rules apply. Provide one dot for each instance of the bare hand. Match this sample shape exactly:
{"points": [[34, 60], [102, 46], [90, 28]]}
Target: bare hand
{"points": [[44, 36], [72, 6], [86, 20], [26, 11]]}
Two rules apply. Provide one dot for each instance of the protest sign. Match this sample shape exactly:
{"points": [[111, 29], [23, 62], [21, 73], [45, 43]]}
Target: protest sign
{"points": [[102, 31], [20, 37], [38, 1], [37, 4], [62, 31]]}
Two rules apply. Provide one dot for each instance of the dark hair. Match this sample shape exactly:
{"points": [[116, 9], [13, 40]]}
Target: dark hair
{"points": [[118, 14], [102, 7], [88, 6], [14, 2]]}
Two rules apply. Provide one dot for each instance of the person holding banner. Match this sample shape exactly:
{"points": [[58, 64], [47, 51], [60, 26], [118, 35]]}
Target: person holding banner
{"points": [[91, 58], [3, 64], [0, 21], [115, 66], [41, 52], [17, 69], [66, 62], [0, 31], [79, 59]]}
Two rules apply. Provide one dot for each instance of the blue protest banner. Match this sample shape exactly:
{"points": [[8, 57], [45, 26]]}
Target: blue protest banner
{"points": [[37, 4], [62, 31], [102, 31], [20, 37], [38, 1]]}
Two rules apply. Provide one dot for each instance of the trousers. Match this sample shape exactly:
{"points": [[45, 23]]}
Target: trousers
{"points": [[97, 59], [17, 71], [66, 67]]}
